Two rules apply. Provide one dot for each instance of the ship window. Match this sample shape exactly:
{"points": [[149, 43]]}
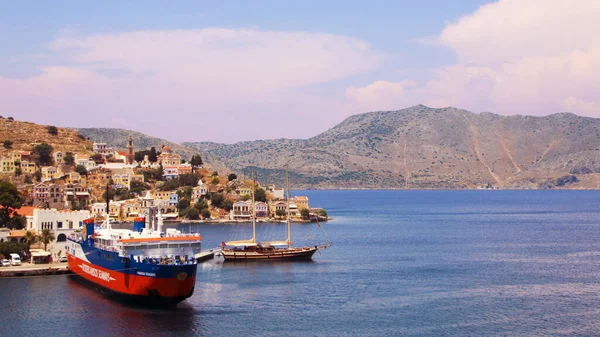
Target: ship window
{"points": [[182, 245], [109, 257], [164, 245], [142, 247]]}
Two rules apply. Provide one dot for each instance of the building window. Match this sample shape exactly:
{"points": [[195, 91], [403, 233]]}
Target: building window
{"points": [[59, 224]]}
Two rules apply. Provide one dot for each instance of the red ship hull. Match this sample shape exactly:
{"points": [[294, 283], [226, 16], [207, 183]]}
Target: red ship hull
{"points": [[155, 290]]}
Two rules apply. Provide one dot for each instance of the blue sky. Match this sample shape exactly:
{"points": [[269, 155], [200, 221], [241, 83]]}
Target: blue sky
{"points": [[258, 65]]}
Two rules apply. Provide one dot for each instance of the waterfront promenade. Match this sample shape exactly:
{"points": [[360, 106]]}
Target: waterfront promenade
{"points": [[28, 269]]}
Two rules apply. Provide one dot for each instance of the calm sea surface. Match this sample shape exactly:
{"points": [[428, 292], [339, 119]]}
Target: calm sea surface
{"points": [[403, 263]]}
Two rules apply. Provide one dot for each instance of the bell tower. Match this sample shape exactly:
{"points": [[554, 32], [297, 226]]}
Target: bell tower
{"points": [[130, 150]]}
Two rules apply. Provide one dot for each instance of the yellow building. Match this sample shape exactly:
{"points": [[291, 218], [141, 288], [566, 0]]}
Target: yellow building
{"points": [[168, 158], [244, 190], [28, 167], [301, 202], [51, 172], [8, 165]]}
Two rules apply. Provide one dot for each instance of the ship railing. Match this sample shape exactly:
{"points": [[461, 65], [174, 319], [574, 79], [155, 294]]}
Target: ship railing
{"points": [[170, 260], [181, 238]]}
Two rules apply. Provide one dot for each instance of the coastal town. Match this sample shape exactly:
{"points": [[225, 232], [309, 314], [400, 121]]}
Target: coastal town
{"points": [[58, 190]]}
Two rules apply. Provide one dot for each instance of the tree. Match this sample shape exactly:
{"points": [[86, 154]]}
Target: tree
{"points": [[10, 199], [217, 199], [201, 205], [196, 160], [205, 213], [81, 170], [30, 238], [137, 187], [52, 130], [170, 185], [232, 176], [8, 144], [183, 204], [187, 192], [17, 222], [305, 213], [215, 180], [227, 205], [111, 194], [322, 213], [43, 154], [192, 213], [280, 212], [46, 237], [38, 175], [215, 174], [98, 158], [18, 172], [188, 179], [8, 247], [27, 179], [139, 155], [260, 195], [69, 159], [152, 156]]}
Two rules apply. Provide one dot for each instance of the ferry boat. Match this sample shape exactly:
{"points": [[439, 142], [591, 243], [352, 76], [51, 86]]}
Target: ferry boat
{"points": [[143, 265]]}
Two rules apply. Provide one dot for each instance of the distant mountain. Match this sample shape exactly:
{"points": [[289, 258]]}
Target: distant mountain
{"points": [[421, 147]]}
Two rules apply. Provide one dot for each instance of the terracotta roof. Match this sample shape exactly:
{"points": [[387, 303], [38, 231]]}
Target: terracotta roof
{"points": [[24, 211], [17, 233], [166, 149], [122, 153]]}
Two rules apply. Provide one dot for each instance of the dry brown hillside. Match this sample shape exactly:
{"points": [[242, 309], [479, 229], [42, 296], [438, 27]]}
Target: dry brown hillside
{"points": [[26, 135], [422, 148]]}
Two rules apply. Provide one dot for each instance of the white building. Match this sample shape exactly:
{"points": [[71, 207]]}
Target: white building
{"points": [[99, 209], [58, 158], [88, 164], [61, 223], [199, 191], [101, 148]]}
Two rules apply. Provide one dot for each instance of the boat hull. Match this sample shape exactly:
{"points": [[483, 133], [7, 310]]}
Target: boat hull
{"points": [[132, 284], [302, 254]]}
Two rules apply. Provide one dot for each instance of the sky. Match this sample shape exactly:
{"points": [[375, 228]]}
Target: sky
{"points": [[229, 71]]}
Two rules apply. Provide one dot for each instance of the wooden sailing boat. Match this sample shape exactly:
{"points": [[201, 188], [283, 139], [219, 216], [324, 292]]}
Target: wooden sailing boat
{"points": [[251, 250]]}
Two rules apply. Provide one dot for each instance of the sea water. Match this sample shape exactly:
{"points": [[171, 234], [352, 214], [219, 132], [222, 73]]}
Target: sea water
{"points": [[402, 263]]}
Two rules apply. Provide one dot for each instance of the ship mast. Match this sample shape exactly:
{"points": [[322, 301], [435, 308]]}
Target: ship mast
{"points": [[287, 206], [253, 212], [107, 208]]}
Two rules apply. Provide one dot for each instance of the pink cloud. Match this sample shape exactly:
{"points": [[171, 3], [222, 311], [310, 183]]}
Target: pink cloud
{"points": [[189, 84], [526, 57]]}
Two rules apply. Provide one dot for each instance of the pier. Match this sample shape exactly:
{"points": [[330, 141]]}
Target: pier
{"points": [[27, 269]]}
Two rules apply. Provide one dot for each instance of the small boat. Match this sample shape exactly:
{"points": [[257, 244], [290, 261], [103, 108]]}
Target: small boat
{"points": [[251, 250]]}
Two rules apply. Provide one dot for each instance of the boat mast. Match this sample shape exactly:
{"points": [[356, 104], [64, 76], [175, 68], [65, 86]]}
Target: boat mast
{"points": [[253, 212], [107, 208], [287, 206]]}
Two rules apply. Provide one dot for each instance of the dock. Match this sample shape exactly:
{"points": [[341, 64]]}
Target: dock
{"points": [[35, 270], [206, 255]]}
